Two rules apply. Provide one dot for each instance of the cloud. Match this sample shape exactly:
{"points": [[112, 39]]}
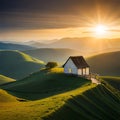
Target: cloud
{"points": [[54, 5], [18, 20], [52, 14]]}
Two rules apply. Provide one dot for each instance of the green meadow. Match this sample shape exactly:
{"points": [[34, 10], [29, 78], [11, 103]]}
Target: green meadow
{"points": [[52, 95]]}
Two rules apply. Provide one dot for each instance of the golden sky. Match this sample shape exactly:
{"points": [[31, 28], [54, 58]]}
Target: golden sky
{"points": [[24, 20]]}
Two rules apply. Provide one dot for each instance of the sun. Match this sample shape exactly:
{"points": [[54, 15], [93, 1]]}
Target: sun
{"points": [[100, 29]]}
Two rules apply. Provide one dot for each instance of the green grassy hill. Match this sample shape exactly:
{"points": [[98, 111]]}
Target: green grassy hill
{"points": [[4, 79], [17, 65], [105, 64]]}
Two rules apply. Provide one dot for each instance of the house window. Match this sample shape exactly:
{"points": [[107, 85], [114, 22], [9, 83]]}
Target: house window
{"points": [[70, 70]]}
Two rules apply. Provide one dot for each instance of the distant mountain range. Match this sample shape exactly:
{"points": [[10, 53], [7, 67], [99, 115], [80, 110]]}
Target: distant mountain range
{"points": [[87, 45], [14, 46]]}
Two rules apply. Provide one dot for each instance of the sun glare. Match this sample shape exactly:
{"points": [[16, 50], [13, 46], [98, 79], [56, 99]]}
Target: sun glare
{"points": [[100, 29]]}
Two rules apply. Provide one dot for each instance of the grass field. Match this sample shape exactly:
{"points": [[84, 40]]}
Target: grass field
{"points": [[76, 99]]}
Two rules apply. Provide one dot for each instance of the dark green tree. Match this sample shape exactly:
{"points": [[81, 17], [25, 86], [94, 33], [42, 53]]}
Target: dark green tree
{"points": [[51, 64]]}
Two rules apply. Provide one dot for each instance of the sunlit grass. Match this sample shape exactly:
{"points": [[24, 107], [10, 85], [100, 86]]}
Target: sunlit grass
{"points": [[39, 108], [5, 97], [4, 79]]}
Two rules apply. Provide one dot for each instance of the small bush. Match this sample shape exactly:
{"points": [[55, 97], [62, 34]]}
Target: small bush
{"points": [[51, 64]]}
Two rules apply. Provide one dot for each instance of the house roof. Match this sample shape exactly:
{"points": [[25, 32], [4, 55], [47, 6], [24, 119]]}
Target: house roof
{"points": [[79, 61]]}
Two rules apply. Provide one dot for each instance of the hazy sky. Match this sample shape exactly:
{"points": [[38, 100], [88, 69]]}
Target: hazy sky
{"points": [[52, 19]]}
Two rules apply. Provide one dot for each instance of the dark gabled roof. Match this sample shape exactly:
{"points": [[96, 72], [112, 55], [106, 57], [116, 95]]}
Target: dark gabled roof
{"points": [[79, 61]]}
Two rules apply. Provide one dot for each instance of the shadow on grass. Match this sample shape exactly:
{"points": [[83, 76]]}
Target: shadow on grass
{"points": [[114, 81], [96, 104]]}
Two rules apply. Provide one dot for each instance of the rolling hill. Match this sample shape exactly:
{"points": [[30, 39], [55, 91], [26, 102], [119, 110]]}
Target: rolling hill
{"points": [[74, 98], [106, 64], [14, 46], [17, 65], [4, 79], [53, 54], [45, 83]]}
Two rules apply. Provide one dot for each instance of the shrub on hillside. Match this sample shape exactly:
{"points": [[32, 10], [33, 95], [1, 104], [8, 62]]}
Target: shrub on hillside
{"points": [[51, 64]]}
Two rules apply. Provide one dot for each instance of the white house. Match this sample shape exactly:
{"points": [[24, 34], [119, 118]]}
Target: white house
{"points": [[76, 65]]}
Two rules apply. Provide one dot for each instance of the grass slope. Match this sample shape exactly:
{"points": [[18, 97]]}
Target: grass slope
{"points": [[105, 64], [97, 103], [17, 65], [5, 97], [4, 79], [45, 83]]}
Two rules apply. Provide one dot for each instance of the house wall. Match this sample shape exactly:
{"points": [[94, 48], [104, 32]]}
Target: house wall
{"points": [[70, 68]]}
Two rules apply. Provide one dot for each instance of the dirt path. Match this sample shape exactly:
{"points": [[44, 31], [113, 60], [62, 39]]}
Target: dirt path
{"points": [[95, 81]]}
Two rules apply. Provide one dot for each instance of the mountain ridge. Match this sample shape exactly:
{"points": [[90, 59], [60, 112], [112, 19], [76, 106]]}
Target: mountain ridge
{"points": [[14, 46]]}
